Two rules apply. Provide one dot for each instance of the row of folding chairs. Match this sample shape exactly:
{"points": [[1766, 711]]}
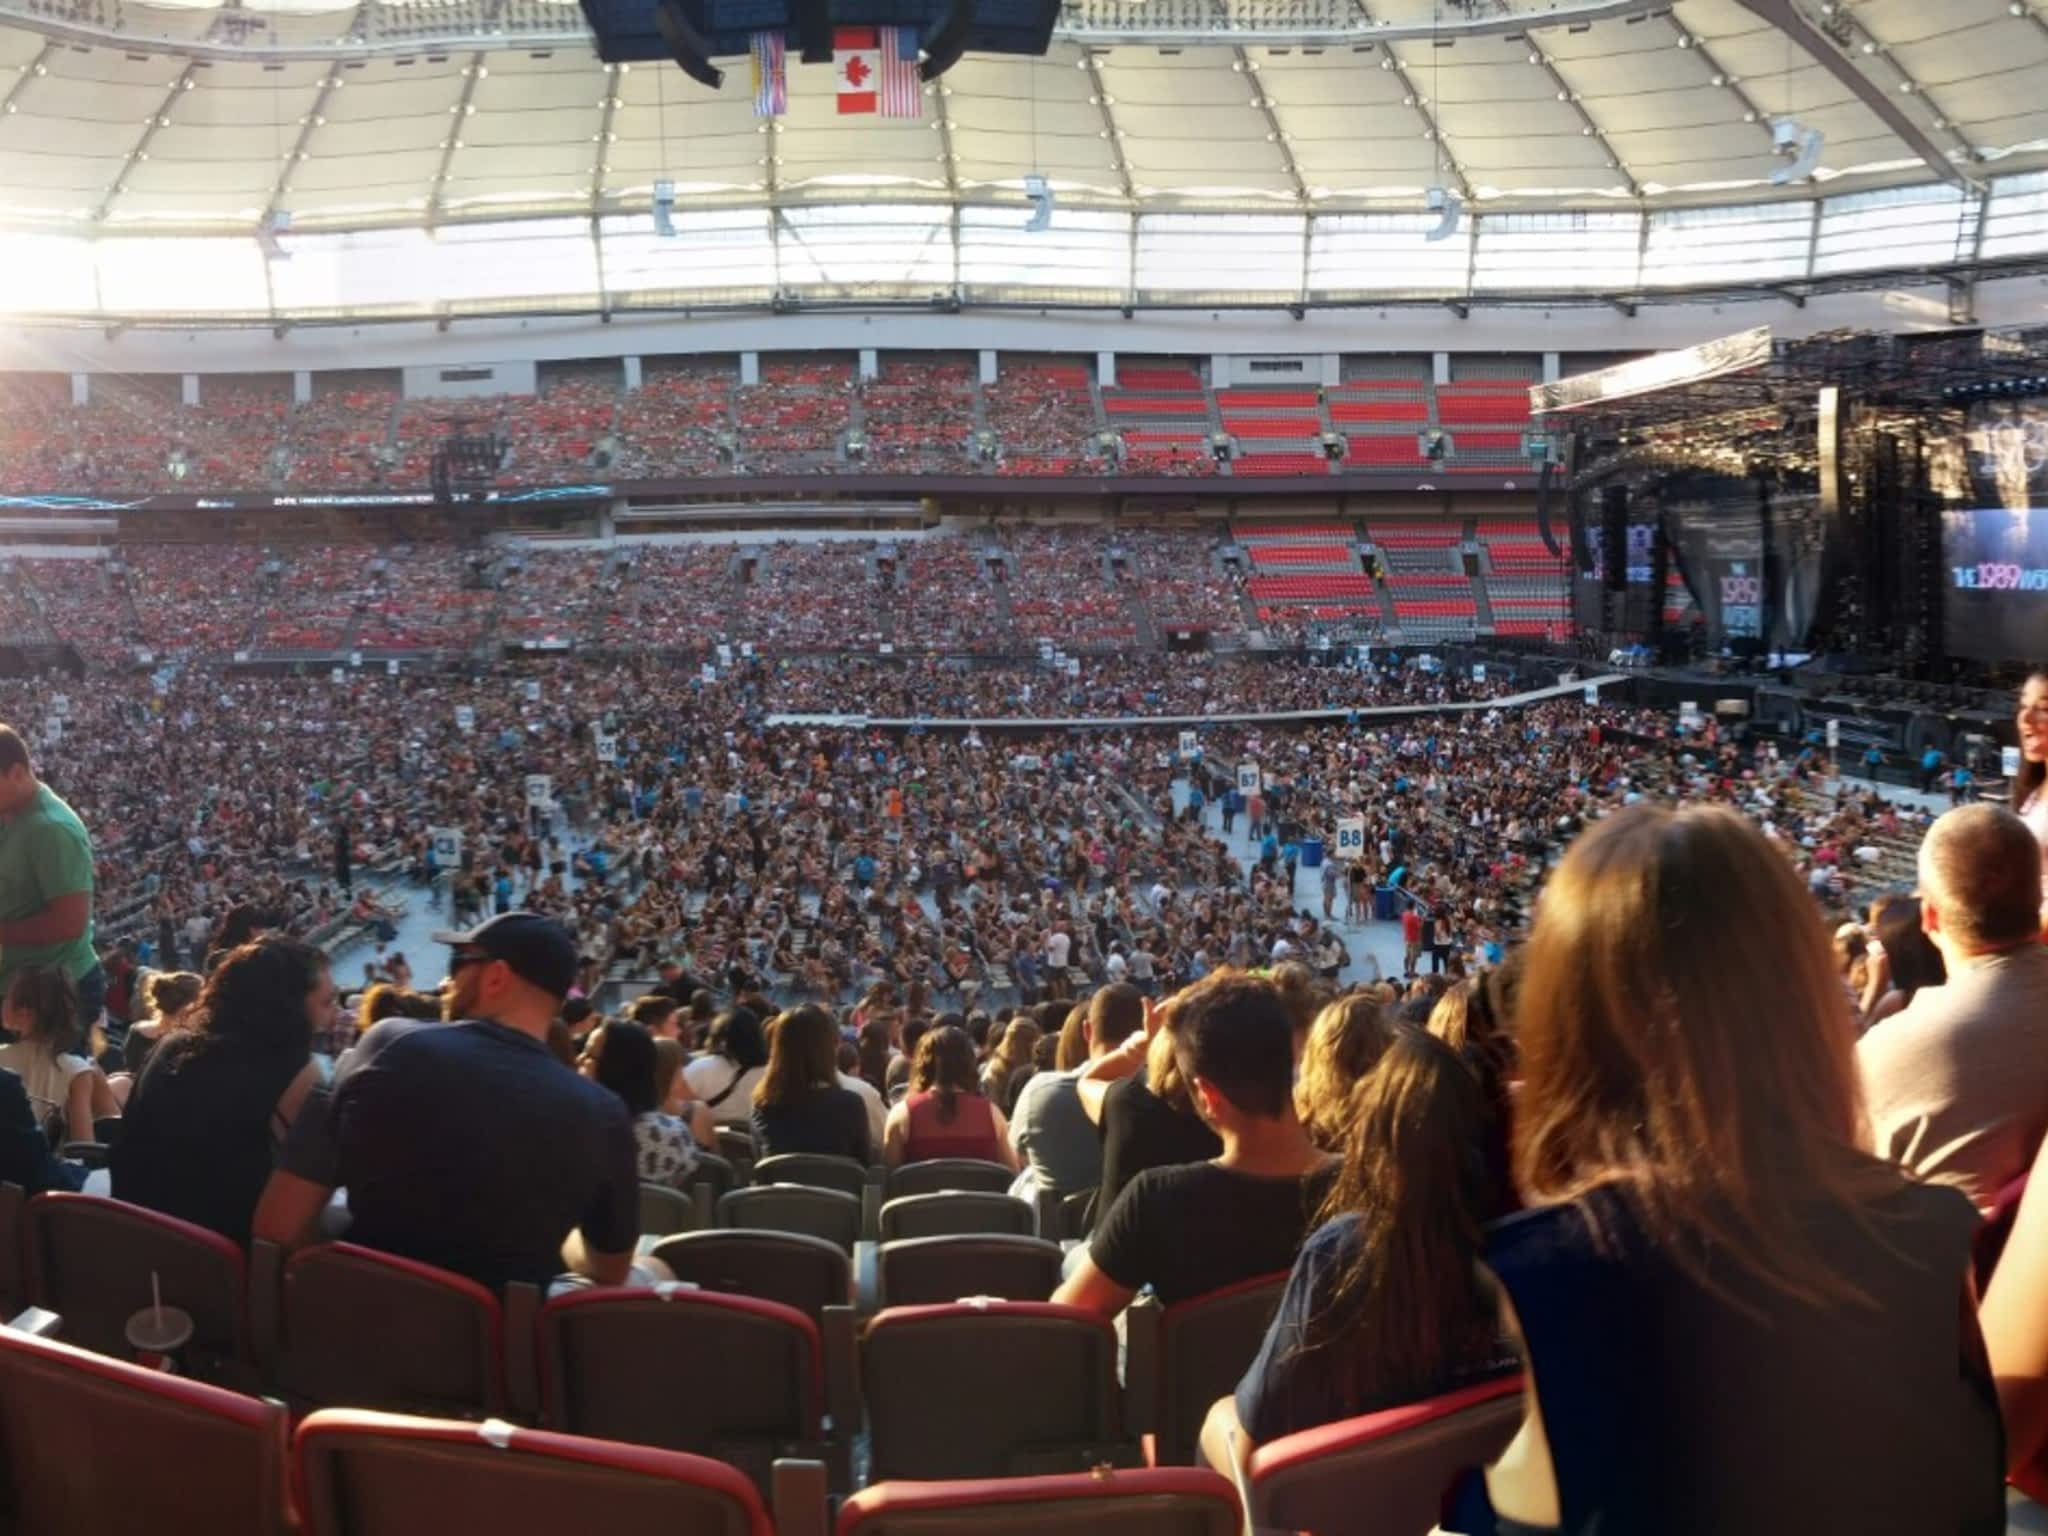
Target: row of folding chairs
{"points": [[185, 1455], [845, 1201]]}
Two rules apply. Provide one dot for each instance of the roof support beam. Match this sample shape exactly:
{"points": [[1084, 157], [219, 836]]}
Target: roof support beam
{"points": [[1413, 96], [1587, 125], [1791, 19], [139, 151], [1099, 89], [937, 98], [10, 99], [601, 152], [1752, 109], [315, 117], [453, 142], [1263, 105]]}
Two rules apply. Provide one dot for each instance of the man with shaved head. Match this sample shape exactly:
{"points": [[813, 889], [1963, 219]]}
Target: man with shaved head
{"points": [[1957, 1081]]}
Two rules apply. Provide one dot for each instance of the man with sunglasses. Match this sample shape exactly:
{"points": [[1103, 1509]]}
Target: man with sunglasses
{"points": [[467, 1145]]}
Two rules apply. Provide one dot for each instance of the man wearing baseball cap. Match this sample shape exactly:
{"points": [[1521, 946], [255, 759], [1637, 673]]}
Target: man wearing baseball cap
{"points": [[467, 1145]]}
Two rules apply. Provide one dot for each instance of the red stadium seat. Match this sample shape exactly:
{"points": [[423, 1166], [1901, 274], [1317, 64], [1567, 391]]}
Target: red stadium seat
{"points": [[364, 1329], [926, 1374], [91, 1444], [1183, 1357], [1383, 1474], [91, 1260], [375, 1474], [1174, 1501], [725, 1376]]}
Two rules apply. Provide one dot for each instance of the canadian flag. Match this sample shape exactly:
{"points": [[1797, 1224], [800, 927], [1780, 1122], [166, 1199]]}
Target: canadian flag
{"points": [[857, 66]]}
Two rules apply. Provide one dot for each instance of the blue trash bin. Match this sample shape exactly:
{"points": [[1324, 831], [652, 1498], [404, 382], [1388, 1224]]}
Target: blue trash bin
{"points": [[1386, 904], [1311, 853]]}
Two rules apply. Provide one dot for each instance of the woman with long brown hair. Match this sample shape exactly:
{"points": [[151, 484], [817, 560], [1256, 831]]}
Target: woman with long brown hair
{"points": [[798, 1104], [1385, 1305], [946, 1114], [1735, 1318], [1010, 1065]]}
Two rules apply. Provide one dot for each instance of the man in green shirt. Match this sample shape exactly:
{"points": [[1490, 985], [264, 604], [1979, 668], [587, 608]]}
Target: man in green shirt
{"points": [[45, 881]]}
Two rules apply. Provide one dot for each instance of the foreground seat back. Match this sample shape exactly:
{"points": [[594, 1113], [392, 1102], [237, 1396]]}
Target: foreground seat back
{"points": [[373, 1474], [364, 1329], [807, 1273], [1176, 1501], [956, 1212], [823, 1213], [938, 1175], [990, 1389], [1383, 1474], [92, 1444], [1205, 1346], [91, 1259], [664, 1210], [921, 1271], [729, 1377]]}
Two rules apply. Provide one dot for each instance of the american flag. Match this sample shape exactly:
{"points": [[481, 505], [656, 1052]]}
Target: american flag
{"points": [[902, 90], [771, 74]]}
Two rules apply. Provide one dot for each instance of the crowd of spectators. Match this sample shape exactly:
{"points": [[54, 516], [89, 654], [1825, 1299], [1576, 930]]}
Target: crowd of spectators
{"points": [[793, 421], [918, 418], [1061, 589], [1042, 417], [812, 596], [677, 423], [1589, 1144]]}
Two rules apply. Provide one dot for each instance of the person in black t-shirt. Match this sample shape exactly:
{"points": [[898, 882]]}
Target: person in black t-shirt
{"points": [[467, 1145], [1190, 1229]]}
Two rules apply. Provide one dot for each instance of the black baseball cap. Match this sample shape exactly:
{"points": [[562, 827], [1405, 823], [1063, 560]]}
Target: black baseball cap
{"points": [[538, 949]]}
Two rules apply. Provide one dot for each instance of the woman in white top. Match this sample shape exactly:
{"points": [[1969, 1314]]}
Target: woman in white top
{"points": [[2030, 784], [734, 1060], [41, 1012]]}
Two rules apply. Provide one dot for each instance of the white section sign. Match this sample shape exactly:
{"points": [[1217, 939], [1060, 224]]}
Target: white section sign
{"points": [[1248, 778], [1188, 750], [447, 845], [1834, 735], [1592, 693], [1350, 837], [465, 717], [607, 746], [539, 787]]}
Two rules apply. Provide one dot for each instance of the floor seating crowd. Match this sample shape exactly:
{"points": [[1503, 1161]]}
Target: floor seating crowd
{"points": [[915, 1328]]}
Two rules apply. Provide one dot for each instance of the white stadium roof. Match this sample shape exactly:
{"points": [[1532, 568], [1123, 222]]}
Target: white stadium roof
{"points": [[1209, 143]]}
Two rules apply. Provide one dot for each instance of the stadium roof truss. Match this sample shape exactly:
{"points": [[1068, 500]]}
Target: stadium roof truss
{"points": [[1201, 151]]}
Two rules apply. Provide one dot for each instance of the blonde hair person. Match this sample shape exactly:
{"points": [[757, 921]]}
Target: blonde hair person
{"points": [[1344, 1045]]}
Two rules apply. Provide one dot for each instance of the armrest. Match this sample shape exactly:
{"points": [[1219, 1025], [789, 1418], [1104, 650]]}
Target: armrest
{"points": [[796, 1498], [839, 1328], [871, 1212], [266, 1302], [867, 1278], [521, 1346], [42, 1323], [1142, 1324], [1052, 1212]]}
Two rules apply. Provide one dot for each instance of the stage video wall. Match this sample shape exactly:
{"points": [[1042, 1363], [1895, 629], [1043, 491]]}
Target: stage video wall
{"points": [[1996, 586], [1995, 553]]}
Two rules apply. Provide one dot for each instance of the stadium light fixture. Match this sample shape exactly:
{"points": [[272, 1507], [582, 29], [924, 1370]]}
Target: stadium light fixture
{"points": [[1798, 146], [1449, 207]]}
